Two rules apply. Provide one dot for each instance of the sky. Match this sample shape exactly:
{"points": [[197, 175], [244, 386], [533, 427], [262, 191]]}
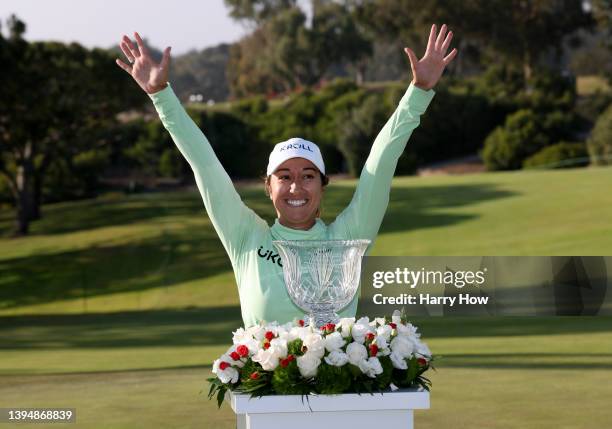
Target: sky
{"points": [[182, 24]]}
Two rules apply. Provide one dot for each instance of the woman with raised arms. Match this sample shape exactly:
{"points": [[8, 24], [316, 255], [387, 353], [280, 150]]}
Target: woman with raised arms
{"points": [[295, 180]]}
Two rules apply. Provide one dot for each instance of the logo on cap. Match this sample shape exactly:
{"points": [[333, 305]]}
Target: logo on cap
{"points": [[296, 146]]}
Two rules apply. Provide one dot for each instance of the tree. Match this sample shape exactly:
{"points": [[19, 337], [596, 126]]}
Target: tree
{"points": [[55, 100], [525, 133], [520, 31], [257, 10], [285, 51], [600, 141], [357, 131]]}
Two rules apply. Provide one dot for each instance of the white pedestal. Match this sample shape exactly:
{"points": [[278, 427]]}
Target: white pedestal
{"points": [[348, 411]]}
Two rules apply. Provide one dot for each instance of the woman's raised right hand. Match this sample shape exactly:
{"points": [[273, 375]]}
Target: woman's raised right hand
{"points": [[149, 75]]}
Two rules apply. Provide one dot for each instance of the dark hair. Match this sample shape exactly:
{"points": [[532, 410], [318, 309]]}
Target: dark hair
{"points": [[324, 181]]}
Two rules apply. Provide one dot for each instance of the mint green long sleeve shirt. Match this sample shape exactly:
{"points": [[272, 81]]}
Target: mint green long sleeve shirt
{"points": [[247, 238]]}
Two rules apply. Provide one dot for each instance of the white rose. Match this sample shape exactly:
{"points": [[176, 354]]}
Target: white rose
{"points": [[288, 336], [407, 331], [279, 347], [315, 344], [334, 341], [359, 332], [258, 332], [398, 361], [371, 367], [280, 331], [253, 345], [299, 332], [363, 321], [402, 346], [228, 375], [308, 364], [396, 317], [225, 358], [422, 349], [215, 367], [384, 331], [381, 342], [356, 353], [240, 336], [288, 326], [302, 332], [337, 358], [380, 321], [346, 324], [268, 359]]}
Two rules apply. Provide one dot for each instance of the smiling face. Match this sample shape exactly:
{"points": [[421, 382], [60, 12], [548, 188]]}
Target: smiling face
{"points": [[295, 189]]}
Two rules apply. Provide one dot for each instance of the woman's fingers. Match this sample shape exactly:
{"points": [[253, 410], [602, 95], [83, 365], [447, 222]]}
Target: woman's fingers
{"points": [[440, 37], [124, 66], [446, 42], [449, 57], [431, 43], [141, 45], [133, 49], [126, 51], [412, 57], [165, 61]]}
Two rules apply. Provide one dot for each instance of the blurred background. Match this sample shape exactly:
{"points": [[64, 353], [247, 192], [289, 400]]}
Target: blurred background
{"points": [[115, 292]]}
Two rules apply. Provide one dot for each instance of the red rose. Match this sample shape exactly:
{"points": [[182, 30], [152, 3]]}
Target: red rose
{"points": [[369, 336], [393, 325], [422, 361], [243, 350], [269, 335], [254, 376], [223, 365], [330, 327], [284, 363], [301, 322], [290, 358], [234, 355], [373, 350], [266, 346]]}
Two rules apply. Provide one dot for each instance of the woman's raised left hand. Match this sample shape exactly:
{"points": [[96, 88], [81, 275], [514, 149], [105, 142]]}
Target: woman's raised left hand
{"points": [[427, 71]]}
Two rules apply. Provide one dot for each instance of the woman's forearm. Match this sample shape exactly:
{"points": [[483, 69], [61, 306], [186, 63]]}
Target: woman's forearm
{"points": [[365, 213]]}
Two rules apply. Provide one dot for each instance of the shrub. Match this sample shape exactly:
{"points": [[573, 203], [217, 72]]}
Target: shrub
{"points": [[455, 124], [520, 137], [358, 131], [599, 143], [152, 141], [560, 155], [171, 164], [235, 143], [250, 106], [550, 90], [75, 177], [524, 133]]}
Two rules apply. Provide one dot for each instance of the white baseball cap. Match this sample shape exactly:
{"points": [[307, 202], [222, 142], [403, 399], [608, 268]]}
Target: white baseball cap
{"points": [[295, 148]]}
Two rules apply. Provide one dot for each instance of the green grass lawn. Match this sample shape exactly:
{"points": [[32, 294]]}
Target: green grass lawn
{"points": [[159, 251], [117, 306]]}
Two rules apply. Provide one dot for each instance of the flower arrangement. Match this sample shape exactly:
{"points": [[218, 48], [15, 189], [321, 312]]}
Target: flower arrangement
{"points": [[297, 359]]}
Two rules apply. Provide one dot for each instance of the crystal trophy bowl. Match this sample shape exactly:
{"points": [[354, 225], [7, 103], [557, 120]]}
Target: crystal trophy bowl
{"points": [[322, 276]]}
